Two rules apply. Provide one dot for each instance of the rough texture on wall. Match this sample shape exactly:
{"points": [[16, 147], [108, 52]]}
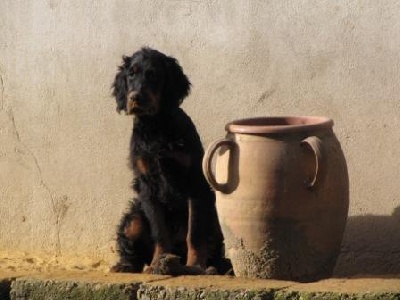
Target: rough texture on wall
{"points": [[64, 180]]}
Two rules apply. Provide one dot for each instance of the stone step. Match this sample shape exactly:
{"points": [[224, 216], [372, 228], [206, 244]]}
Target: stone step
{"points": [[99, 286]]}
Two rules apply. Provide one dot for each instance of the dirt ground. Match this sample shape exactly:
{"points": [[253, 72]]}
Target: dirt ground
{"points": [[30, 263]]}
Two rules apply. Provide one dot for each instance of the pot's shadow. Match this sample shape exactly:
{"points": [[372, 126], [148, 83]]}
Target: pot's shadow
{"points": [[371, 246]]}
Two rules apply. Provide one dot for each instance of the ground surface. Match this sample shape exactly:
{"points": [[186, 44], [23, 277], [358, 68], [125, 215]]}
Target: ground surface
{"points": [[23, 262], [26, 276]]}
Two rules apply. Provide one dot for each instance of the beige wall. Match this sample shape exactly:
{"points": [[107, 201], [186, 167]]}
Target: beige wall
{"points": [[64, 180]]}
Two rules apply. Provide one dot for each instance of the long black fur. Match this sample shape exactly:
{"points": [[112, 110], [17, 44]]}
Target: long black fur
{"points": [[165, 155]]}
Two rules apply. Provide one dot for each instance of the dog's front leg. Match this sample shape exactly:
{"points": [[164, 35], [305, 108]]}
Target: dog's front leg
{"points": [[197, 234], [160, 235]]}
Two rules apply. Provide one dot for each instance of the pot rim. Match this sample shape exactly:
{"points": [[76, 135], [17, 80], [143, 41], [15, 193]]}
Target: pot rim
{"points": [[279, 124]]}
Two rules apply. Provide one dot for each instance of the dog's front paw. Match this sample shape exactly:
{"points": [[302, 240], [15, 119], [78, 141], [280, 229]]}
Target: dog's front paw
{"points": [[166, 264], [149, 270]]}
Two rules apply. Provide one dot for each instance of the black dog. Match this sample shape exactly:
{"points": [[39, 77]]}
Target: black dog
{"points": [[175, 208]]}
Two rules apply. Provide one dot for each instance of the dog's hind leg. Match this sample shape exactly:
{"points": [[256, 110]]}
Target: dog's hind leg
{"points": [[133, 241]]}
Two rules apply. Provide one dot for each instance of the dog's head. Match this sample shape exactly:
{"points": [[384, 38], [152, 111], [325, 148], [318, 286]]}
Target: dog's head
{"points": [[149, 82]]}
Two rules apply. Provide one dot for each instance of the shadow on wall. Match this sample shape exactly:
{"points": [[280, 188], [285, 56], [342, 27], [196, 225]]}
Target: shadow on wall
{"points": [[371, 246]]}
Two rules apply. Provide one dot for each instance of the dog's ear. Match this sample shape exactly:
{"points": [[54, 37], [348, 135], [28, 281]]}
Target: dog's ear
{"points": [[119, 86], [177, 85]]}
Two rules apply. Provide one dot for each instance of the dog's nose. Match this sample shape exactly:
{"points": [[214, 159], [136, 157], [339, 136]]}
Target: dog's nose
{"points": [[133, 95]]}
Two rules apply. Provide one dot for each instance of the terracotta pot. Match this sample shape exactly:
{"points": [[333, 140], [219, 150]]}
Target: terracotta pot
{"points": [[282, 196]]}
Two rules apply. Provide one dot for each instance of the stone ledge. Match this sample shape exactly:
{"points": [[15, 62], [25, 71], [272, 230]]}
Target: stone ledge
{"points": [[101, 286]]}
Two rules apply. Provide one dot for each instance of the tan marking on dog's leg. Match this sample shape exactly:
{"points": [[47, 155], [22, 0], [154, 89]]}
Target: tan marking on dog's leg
{"points": [[142, 166], [197, 256], [134, 229], [159, 250]]}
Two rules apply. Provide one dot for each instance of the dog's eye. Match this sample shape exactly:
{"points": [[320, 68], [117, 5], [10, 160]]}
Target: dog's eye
{"points": [[133, 71]]}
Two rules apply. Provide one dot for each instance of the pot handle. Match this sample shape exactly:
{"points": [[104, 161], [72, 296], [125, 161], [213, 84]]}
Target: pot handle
{"points": [[207, 160], [315, 144]]}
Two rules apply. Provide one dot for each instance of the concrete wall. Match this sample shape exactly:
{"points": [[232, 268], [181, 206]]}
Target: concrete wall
{"points": [[64, 180]]}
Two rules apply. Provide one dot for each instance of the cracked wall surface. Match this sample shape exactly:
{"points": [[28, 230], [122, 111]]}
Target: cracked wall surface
{"points": [[64, 180]]}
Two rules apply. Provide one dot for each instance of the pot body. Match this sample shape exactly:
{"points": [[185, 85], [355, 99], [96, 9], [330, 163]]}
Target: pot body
{"points": [[282, 198]]}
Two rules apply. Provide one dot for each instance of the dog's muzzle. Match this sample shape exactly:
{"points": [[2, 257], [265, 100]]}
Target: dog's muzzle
{"points": [[132, 102]]}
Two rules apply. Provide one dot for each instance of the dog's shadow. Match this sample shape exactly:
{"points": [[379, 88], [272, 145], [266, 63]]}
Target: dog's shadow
{"points": [[371, 246]]}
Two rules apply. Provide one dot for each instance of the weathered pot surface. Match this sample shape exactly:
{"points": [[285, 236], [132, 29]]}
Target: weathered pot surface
{"points": [[282, 196]]}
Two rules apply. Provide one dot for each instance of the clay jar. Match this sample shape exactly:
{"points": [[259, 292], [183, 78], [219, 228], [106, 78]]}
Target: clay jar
{"points": [[282, 196]]}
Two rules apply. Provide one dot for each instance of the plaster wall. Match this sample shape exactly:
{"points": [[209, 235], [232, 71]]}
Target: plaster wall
{"points": [[64, 180]]}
